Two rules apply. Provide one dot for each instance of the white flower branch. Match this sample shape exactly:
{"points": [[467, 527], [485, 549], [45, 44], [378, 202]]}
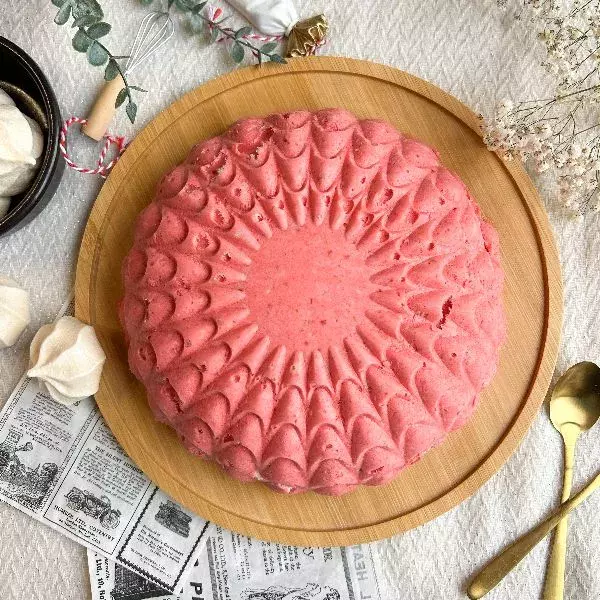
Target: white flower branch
{"points": [[560, 134]]}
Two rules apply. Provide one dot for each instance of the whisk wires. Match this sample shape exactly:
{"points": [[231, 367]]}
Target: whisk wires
{"points": [[155, 30]]}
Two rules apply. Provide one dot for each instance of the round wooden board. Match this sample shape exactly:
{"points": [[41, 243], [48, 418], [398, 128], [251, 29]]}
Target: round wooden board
{"points": [[445, 476]]}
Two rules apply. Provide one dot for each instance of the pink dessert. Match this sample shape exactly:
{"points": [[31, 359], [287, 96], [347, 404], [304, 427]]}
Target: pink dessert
{"points": [[313, 301]]}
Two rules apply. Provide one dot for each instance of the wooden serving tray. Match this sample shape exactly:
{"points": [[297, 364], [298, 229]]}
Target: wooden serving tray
{"points": [[445, 476]]}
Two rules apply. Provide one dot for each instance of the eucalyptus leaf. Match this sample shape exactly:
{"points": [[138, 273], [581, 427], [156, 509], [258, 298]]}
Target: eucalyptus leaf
{"points": [[146, 2], [84, 21], [58, 3], [112, 70], [278, 59], [196, 24], [198, 7], [63, 14], [81, 42], [121, 97], [131, 111], [182, 5], [237, 52], [98, 30], [87, 7], [240, 33], [268, 47], [96, 54], [214, 34]]}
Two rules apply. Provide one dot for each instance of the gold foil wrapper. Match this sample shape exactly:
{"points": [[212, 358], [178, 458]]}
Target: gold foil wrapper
{"points": [[306, 36]]}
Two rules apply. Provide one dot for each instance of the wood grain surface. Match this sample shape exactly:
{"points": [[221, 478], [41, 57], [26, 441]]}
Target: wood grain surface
{"points": [[533, 297]]}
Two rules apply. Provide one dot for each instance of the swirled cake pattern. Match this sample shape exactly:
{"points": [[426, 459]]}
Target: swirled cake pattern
{"points": [[313, 301]]}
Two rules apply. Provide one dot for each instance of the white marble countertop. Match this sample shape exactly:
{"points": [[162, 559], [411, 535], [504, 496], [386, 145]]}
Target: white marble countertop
{"points": [[469, 49]]}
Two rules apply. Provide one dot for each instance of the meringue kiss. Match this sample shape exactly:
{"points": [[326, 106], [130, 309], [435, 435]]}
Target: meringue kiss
{"points": [[14, 311], [67, 359]]}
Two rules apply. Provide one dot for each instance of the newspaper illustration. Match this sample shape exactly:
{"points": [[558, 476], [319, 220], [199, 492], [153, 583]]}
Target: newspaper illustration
{"points": [[233, 566], [110, 580], [169, 515], [62, 465]]}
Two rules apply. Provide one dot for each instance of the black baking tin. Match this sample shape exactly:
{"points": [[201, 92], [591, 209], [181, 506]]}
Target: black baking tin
{"points": [[19, 69]]}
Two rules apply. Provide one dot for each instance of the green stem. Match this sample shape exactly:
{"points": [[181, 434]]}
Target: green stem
{"points": [[111, 57], [588, 56], [592, 87], [231, 36], [579, 9], [226, 33]]}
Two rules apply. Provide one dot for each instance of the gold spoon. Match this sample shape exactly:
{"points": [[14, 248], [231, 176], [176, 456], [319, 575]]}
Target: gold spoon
{"points": [[575, 400], [494, 572], [574, 407]]}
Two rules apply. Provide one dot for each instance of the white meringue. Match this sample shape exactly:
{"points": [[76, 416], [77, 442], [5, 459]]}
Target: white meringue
{"points": [[15, 177], [68, 359], [14, 311], [5, 98], [21, 145], [16, 139], [4, 206]]}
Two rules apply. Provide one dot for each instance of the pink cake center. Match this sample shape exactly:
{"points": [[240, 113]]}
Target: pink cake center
{"points": [[307, 287]]}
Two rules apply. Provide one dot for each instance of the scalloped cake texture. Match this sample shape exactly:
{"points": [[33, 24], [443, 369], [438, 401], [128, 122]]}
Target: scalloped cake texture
{"points": [[313, 301]]}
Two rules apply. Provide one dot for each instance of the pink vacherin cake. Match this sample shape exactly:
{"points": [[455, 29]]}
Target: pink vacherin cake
{"points": [[313, 301]]}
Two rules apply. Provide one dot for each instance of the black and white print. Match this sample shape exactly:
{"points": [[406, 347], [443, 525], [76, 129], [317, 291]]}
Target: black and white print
{"points": [[92, 506], [311, 591], [29, 486], [131, 586], [169, 515]]}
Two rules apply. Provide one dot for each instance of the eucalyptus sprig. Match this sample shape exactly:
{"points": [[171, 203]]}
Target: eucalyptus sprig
{"points": [[214, 31], [88, 21]]}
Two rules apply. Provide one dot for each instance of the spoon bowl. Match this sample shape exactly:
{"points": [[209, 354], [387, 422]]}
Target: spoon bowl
{"points": [[576, 397]]}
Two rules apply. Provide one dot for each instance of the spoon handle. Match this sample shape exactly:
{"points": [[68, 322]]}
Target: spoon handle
{"points": [[554, 586], [500, 566]]}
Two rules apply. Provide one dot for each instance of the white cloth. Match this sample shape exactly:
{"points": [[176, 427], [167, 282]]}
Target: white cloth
{"points": [[272, 17], [469, 49]]}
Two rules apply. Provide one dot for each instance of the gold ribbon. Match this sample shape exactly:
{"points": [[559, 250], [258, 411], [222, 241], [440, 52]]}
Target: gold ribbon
{"points": [[306, 36]]}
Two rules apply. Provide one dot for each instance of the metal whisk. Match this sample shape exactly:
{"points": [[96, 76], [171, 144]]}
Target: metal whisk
{"points": [[154, 31]]}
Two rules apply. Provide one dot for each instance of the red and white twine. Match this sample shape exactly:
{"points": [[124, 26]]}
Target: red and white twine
{"points": [[102, 167]]}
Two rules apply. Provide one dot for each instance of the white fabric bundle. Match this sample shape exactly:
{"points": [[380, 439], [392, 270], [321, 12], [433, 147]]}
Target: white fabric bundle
{"points": [[280, 18], [272, 17]]}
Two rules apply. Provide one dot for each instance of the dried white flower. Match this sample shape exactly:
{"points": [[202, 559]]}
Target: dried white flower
{"points": [[560, 134], [543, 166], [575, 150], [505, 107]]}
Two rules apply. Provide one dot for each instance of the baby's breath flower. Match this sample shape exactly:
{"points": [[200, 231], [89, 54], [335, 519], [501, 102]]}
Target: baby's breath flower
{"points": [[575, 150], [561, 134], [504, 108]]}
